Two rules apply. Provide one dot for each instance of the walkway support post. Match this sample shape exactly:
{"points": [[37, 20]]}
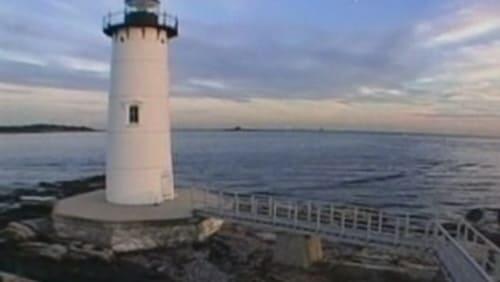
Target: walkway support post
{"points": [[297, 250], [342, 222], [237, 203], [407, 225], [318, 218], [380, 221], [270, 206], [220, 200], [355, 219], [296, 216], [396, 231], [309, 211], [332, 214]]}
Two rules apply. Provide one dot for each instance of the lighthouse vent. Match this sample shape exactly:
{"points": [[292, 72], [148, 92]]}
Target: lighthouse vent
{"points": [[142, 4]]}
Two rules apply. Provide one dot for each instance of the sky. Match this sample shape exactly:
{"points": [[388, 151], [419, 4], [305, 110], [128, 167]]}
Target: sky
{"points": [[386, 65]]}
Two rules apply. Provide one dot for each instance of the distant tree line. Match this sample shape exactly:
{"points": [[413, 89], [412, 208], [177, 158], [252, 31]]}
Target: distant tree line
{"points": [[43, 128]]}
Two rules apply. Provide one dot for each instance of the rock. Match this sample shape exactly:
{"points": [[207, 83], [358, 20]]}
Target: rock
{"points": [[208, 227], [236, 250], [6, 277], [19, 232], [34, 245], [204, 271], [55, 252], [48, 185], [260, 259], [27, 229], [89, 251], [4, 206], [498, 216], [266, 237], [41, 226], [474, 215], [47, 201], [126, 244]]}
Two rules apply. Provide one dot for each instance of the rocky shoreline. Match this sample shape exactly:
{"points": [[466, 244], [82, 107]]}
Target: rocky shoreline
{"points": [[29, 248]]}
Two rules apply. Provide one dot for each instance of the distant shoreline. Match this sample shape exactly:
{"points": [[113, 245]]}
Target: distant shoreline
{"points": [[55, 128], [334, 131], [44, 128]]}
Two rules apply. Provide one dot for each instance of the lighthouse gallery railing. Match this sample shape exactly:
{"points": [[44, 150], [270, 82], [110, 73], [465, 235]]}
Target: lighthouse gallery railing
{"points": [[118, 18]]}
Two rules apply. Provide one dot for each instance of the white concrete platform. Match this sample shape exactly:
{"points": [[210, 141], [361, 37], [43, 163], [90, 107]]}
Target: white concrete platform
{"points": [[93, 206], [90, 218]]}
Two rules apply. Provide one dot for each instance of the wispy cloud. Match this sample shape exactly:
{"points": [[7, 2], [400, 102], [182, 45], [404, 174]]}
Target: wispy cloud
{"points": [[462, 25], [208, 83], [83, 64], [466, 32], [28, 104], [21, 57]]}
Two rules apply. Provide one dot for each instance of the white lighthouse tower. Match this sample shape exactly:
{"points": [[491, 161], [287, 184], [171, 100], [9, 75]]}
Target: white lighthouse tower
{"points": [[138, 210], [139, 157]]}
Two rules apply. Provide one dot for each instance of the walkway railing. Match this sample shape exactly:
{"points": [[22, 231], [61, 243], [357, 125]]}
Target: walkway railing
{"points": [[464, 254], [462, 245]]}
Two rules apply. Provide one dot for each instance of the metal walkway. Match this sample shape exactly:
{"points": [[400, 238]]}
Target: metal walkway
{"points": [[463, 253]]}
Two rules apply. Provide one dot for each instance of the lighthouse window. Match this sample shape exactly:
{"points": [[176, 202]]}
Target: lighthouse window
{"points": [[133, 114]]}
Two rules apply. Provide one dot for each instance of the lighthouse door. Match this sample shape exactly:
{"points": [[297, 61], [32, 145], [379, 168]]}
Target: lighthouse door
{"points": [[165, 186]]}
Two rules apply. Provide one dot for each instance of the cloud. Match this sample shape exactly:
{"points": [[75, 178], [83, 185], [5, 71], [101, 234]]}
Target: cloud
{"points": [[20, 57], [208, 83], [371, 91], [28, 104], [253, 62], [462, 25], [86, 65], [466, 32]]}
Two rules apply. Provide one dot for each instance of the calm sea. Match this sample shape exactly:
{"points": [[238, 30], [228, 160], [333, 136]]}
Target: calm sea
{"points": [[408, 172]]}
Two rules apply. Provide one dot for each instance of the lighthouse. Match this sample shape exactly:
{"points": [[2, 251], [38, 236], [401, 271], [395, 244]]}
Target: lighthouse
{"points": [[139, 158], [137, 209]]}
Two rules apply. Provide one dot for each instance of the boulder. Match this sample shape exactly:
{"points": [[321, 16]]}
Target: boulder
{"points": [[208, 227], [203, 271], [7, 277], [18, 231], [266, 237], [41, 226], [236, 250], [46, 201], [54, 252], [474, 215], [48, 185], [88, 251]]}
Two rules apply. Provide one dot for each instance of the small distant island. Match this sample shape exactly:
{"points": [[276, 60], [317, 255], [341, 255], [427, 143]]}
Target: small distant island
{"points": [[239, 128], [43, 128], [242, 129]]}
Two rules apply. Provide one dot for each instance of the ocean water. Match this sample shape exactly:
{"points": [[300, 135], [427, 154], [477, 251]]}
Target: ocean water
{"points": [[404, 172]]}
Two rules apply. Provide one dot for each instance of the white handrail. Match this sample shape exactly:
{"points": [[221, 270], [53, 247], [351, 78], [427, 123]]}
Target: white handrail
{"points": [[364, 226], [459, 250]]}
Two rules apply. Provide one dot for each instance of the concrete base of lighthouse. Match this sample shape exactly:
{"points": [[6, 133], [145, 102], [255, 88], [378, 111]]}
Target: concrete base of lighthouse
{"points": [[90, 218]]}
